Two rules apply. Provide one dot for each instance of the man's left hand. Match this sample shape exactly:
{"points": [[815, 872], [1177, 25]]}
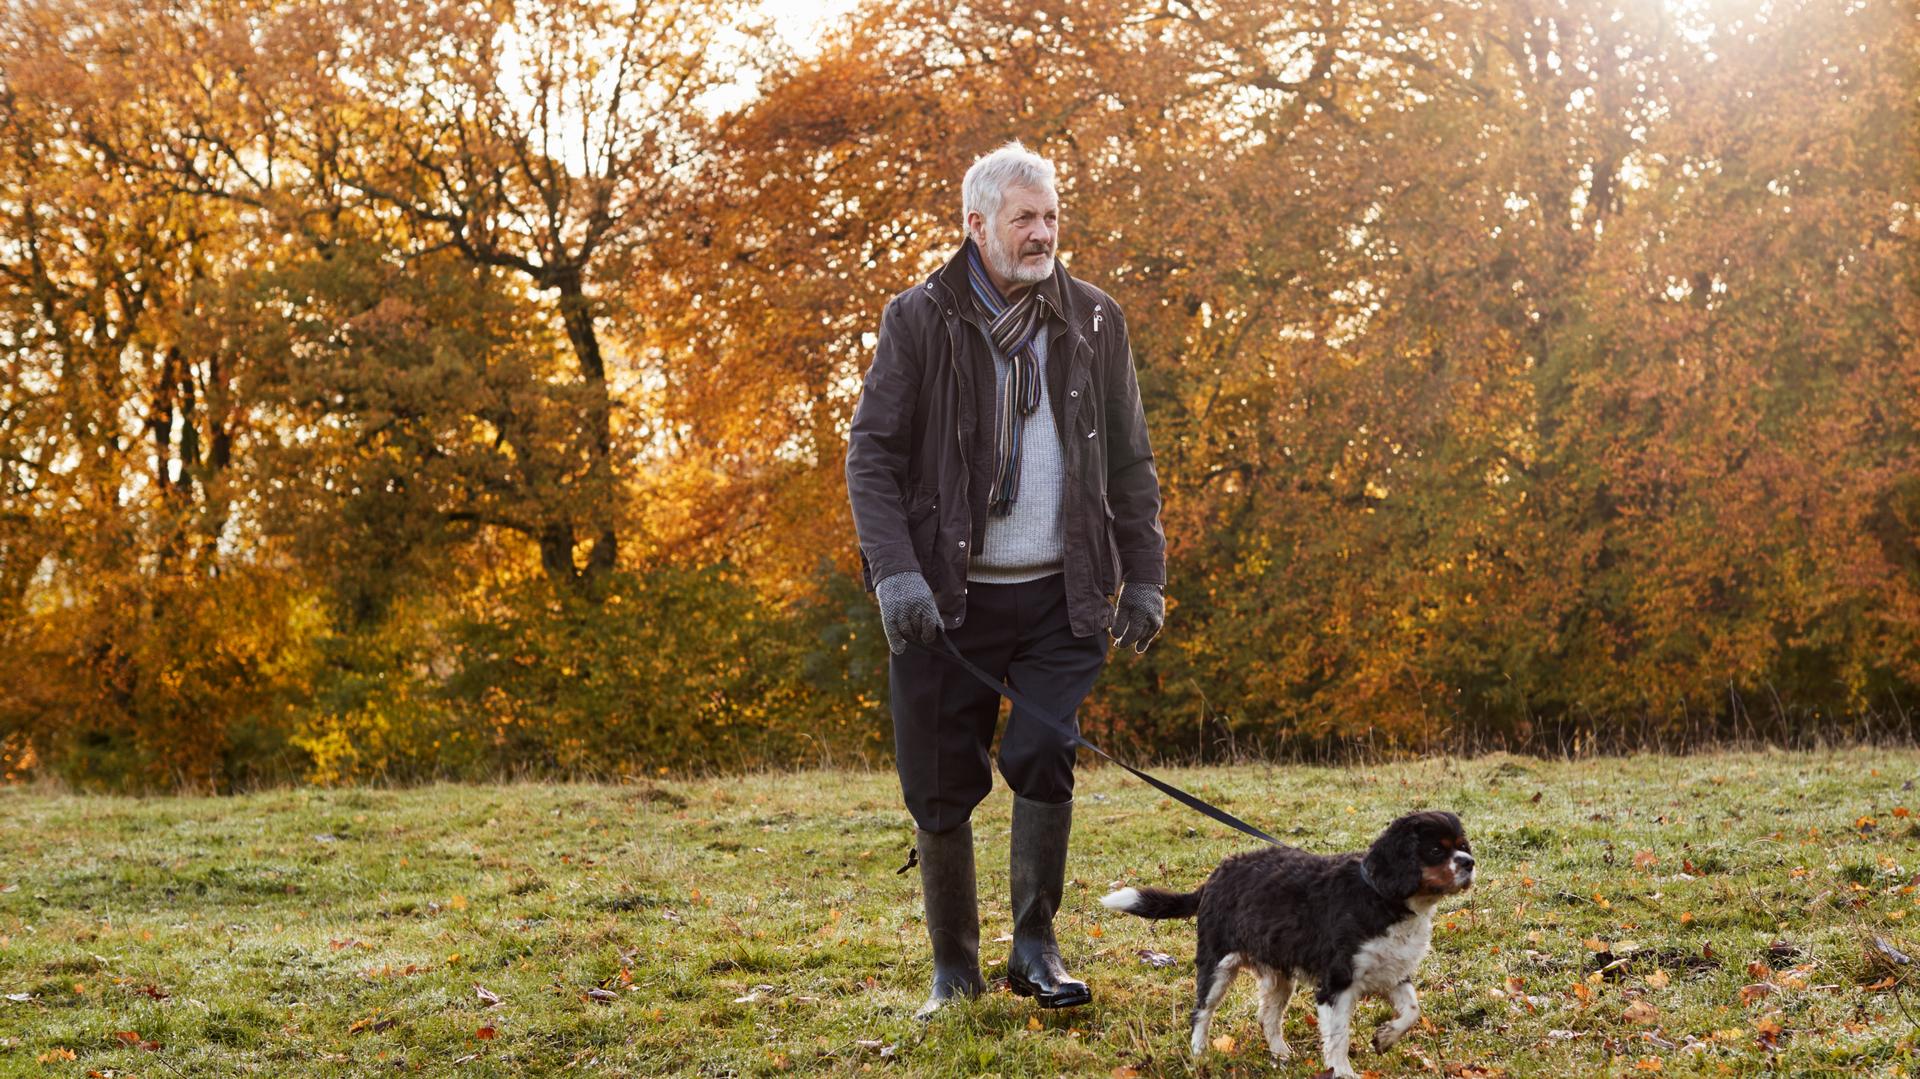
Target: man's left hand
{"points": [[1138, 615]]}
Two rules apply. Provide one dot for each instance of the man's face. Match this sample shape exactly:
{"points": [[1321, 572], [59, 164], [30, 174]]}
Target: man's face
{"points": [[1020, 241]]}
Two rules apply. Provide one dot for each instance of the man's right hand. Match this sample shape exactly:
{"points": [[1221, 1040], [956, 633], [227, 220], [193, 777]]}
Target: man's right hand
{"points": [[907, 610]]}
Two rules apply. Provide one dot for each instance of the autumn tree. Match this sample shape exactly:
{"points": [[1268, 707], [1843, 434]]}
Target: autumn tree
{"points": [[424, 388]]}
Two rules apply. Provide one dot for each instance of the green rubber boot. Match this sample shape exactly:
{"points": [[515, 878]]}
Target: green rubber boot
{"points": [[953, 915], [1038, 868]]}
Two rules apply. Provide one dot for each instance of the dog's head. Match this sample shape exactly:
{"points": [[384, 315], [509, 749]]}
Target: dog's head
{"points": [[1421, 854]]}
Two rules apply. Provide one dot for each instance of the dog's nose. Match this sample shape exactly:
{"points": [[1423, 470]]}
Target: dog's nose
{"points": [[1463, 859]]}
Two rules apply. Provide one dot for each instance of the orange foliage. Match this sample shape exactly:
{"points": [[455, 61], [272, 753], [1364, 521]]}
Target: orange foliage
{"points": [[1516, 375]]}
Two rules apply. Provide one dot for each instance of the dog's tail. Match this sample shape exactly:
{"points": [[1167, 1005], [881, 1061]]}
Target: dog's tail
{"points": [[1155, 902]]}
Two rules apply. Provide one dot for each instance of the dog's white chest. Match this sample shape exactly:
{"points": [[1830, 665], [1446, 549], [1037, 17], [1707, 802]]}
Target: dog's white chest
{"points": [[1392, 957]]}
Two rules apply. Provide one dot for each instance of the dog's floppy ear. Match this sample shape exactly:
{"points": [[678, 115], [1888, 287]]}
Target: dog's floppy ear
{"points": [[1393, 862]]}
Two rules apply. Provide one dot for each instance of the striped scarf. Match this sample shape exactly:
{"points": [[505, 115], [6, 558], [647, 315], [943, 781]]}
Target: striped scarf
{"points": [[1013, 328]]}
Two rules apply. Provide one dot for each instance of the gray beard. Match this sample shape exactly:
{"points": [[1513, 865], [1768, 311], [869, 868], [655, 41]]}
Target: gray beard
{"points": [[1012, 269]]}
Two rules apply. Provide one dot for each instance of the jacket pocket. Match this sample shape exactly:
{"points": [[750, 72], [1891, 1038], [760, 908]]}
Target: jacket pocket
{"points": [[923, 524]]}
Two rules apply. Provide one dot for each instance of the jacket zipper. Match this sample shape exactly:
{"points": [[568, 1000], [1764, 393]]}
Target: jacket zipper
{"points": [[960, 440], [1096, 318]]}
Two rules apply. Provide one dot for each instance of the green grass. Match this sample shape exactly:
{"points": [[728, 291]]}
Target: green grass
{"points": [[751, 926]]}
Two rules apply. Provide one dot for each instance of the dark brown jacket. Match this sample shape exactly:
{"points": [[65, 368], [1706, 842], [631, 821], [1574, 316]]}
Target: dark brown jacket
{"points": [[921, 452]]}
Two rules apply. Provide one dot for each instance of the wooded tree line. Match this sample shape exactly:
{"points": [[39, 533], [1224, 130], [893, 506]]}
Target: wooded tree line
{"points": [[442, 387]]}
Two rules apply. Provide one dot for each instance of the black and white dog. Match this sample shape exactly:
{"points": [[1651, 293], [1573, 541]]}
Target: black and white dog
{"points": [[1352, 923]]}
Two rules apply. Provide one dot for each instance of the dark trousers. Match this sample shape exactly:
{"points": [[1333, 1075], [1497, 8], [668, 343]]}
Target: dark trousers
{"points": [[943, 718]]}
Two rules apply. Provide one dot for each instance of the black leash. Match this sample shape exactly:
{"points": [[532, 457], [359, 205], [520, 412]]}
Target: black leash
{"points": [[1168, 789]]}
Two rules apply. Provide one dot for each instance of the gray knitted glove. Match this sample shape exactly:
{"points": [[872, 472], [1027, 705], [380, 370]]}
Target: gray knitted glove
{"points": [[907, 610], [1138, 616]]}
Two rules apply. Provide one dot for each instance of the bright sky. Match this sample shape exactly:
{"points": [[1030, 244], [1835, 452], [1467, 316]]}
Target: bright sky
{"points": [[800, 22]]}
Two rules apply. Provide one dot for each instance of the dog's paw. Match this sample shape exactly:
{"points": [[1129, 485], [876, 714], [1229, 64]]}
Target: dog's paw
{"points": [[1384, 1036], [1280, 1051]]}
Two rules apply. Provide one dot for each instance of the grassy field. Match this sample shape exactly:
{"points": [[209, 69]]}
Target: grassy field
{"points": [[1712, 915]]}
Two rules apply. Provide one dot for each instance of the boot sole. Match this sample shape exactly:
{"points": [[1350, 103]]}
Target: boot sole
{"points": [[1024, 988]]}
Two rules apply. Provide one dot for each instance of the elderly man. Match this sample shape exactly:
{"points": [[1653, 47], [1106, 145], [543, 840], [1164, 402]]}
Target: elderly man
{"points": [[1004, 493]]}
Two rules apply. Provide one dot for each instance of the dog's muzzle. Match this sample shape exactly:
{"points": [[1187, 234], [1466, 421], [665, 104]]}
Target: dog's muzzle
{"points": [[1462, 869]]}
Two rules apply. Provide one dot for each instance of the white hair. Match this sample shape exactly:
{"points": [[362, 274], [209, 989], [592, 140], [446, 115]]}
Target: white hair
{"points": [[1010, 165]]}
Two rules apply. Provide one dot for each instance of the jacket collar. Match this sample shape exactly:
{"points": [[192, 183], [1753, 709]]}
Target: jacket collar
{"points": [[953, 278]]}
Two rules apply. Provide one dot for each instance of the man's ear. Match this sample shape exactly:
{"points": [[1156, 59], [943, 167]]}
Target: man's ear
{"points": [[1393, 862]]}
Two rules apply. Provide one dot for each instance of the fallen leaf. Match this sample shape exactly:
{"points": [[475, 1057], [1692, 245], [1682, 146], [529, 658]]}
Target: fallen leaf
{"points": [[1884, 983], [487, 996], [1641, 1013], [1156, 959], [1224, 1043], [1896, 955], [485, 1034], [1659, 979], [1033, 1022], [1756, 992], [376, 1024]]}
